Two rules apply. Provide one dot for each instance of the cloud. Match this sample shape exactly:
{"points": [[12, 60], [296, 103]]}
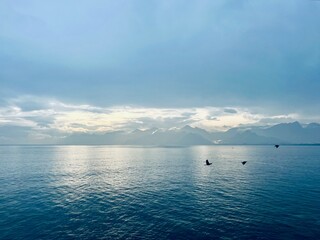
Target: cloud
{"points": [[110, 65], [163, 54], [45, 120], [277, 119], [212, 118], [230, 110]]}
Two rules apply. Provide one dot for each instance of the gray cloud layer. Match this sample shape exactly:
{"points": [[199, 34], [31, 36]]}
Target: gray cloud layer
{"points": [[164, 53]]}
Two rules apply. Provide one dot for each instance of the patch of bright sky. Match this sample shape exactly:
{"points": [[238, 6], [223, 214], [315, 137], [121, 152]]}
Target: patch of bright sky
{"points": [[50, 114]]}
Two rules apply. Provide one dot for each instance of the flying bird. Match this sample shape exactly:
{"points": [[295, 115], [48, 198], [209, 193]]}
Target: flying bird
{"points": [[244, 162], [208, 163], [276, 146]]}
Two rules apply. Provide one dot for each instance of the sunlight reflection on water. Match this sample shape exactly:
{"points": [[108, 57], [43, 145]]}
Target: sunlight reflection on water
{"points": [[117, 192]]}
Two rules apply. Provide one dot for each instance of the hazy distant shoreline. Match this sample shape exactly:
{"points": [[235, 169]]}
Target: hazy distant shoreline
{"points": [[160, 146]]}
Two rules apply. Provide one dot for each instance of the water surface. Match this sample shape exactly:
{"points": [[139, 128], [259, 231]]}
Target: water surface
{"points": [[114, 192]]}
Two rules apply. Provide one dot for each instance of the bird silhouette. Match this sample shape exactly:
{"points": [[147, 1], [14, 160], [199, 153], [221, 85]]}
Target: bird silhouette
{"points": [[208, 163], [244, 162], [276, 146]]}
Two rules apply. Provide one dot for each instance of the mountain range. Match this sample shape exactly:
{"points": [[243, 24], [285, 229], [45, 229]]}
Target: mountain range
{"points": [[284, 133]]}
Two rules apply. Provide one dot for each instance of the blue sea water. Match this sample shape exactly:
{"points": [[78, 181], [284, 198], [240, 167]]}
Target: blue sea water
{"points": [[116, 192]]}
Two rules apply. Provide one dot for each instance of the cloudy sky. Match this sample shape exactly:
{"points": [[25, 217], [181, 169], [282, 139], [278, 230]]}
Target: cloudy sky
{"points": [[97, 66]]}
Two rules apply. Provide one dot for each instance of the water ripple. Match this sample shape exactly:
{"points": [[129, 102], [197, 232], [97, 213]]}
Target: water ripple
{"points": [[98, 192]]}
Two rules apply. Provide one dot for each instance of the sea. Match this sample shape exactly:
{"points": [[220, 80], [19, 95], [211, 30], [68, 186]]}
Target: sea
{"points": [[130, 192]]}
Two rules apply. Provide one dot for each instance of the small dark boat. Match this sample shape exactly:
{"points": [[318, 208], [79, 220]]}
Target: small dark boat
{"points": [[208, 163], [276, 146], [244, 162]]}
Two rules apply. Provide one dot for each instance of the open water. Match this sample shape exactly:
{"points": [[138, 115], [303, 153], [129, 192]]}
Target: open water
{"points": [[116, 192]]}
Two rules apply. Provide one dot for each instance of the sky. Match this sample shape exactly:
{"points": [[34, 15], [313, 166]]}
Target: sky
{"points": [[98, 66]]}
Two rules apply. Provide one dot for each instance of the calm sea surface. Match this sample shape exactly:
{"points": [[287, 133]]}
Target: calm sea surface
{"points": [[108, 192]]}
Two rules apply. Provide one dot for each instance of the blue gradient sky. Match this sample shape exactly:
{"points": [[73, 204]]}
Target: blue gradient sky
{"points": [[252, 55]]}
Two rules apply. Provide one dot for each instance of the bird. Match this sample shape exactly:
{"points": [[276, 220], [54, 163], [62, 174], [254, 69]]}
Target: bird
{"points": [[276, 146], [208, 163], [244, 162]]}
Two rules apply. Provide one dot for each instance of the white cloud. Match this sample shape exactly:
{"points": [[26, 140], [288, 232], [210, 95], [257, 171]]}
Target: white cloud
{"points": [[47, 117]]}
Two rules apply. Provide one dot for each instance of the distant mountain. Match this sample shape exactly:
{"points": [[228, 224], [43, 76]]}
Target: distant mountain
{"points": [[198, 131], [168, 138], [249, 137], [152, 136], [313, 126], [111, 138], [284, 133], [293, 133], [312, 133]]}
